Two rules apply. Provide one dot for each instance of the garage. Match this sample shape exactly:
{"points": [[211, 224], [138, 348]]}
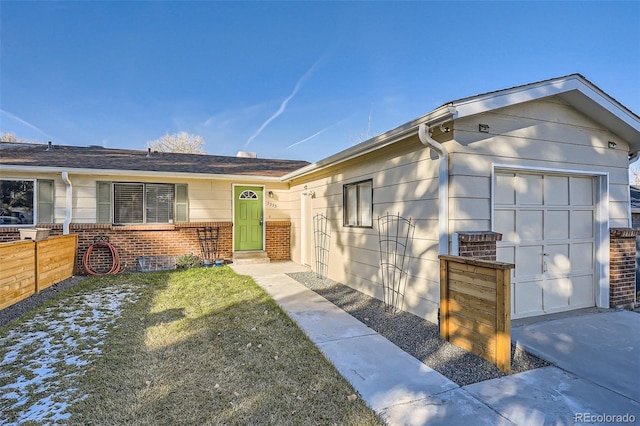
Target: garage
{"points": [[548, 227]]}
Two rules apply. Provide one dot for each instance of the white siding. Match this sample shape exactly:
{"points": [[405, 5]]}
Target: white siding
{"points": [[209, 200], [404, 182]]}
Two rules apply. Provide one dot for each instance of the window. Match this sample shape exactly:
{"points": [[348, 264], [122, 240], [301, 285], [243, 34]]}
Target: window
{"points": [[26, 201], [248, 195], [358, 204], [131, 203]]}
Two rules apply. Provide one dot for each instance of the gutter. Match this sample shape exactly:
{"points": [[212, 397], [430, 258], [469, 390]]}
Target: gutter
{"points": [[139, 173], [443, 185], [69, 204]]}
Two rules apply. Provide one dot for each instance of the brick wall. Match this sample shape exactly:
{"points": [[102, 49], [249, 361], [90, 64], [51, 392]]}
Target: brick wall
{"points": [[278, 240], [134, 241], [157, 240], [622, 267], [478, 244]]}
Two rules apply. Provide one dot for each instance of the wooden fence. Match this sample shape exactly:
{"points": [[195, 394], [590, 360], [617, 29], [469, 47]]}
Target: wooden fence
{"points": [[28, 267], [475, 307]]}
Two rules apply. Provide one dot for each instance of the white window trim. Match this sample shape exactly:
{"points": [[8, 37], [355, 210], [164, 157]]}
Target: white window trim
{"points": [[35, 203], [344, 202]]}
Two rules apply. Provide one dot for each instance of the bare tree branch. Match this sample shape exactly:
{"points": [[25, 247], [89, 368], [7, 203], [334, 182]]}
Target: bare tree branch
{"points": [[181, 142]]}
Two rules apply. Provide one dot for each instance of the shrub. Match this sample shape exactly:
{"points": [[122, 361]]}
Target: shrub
{"points": [[188, 261]]}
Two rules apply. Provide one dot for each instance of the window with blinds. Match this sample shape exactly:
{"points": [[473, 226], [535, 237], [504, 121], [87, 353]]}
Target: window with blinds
{"points": [[141, 203]]}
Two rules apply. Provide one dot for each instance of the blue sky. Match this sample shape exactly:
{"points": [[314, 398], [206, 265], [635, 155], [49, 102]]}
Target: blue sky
{"points": [[297, 80]]}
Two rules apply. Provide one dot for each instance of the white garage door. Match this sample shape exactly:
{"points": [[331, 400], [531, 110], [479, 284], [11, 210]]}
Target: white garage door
{"points": [[548, 230]]}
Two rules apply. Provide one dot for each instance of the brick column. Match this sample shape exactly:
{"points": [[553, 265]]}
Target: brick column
{"points": [[278, 240], [478, 244], [622, 267]]}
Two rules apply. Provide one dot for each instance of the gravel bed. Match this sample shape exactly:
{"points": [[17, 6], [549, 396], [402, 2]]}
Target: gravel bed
{"points": [[14, 311], [414, 335]]}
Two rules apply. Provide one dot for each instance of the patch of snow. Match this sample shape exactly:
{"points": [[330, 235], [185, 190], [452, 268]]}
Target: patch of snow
{"points": [[67, 335]]}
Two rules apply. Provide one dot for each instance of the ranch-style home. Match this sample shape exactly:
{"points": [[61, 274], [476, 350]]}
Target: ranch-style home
{"points": [[534, 175]]}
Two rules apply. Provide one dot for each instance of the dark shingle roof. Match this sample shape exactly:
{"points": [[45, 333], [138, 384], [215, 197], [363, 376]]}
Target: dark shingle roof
{"points": [[75, 157]]}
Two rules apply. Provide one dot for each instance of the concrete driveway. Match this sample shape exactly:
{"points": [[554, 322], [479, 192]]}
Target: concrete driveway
{"points": [[596, 372], [603, 348]]}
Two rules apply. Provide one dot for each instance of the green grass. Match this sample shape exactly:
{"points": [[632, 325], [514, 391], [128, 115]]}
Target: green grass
{"points": [[206, 346]]}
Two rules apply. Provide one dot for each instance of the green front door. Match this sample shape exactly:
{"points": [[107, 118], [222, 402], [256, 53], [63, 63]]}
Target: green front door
{"points": [[248, 218]]}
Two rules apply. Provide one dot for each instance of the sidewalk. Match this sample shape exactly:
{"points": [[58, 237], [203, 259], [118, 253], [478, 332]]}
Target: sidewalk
{"points": [[404, 391], [401, 389]]}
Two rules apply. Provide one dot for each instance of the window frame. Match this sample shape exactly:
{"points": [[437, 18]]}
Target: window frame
{"points": [[347, 209], [36, 201], [106, 203]]}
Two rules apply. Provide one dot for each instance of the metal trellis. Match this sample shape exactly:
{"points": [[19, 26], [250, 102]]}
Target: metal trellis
{"points": [[321, 238], [208, 239], [395, 235]]}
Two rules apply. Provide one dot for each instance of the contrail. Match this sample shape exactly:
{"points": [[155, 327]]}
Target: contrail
{"points": [[318, 133], [26, 123], [283, 105]]}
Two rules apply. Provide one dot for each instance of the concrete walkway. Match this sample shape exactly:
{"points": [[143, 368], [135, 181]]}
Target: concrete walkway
{"points": [[404, 391]]}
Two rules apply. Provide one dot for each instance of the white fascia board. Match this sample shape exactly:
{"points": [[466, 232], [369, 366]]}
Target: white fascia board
{"points": [[579, 92], [138, 173], [491, 101], [437, 116]]}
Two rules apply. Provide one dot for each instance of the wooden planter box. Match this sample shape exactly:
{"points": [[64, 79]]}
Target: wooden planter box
{"points": [[34, 234]]}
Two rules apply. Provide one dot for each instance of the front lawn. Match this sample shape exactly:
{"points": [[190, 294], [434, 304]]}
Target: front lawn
{"points": [[199, 346]]}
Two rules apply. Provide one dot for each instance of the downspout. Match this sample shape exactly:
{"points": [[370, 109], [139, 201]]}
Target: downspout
{"points": [[443, 185], [633, 157], [69, 204]]}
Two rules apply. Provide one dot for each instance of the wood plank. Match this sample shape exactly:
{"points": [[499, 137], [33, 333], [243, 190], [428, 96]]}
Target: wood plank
{"points": [[11, 299], [26, 277], [479, 292], [478, 327], [472, 270], [55, 259], [482, 308], [444, 300], [477, 262], [488, 281], [503, 321], [473, 347]]}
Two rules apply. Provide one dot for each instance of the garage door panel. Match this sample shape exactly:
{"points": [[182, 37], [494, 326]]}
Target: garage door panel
{"points": [[556, 293], [582, 257], [505, 221], [581, 190], [529, 225], [556, 225], [506, 254], [582, 224], [529, 190], [528, 261], [527, 297], [556, 191], [556, 259], [505, 190], [583, 295]]}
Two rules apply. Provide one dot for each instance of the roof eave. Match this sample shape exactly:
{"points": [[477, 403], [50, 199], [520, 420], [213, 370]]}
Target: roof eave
{"points": [[583, 95], [139, 173], [437, 116]]}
